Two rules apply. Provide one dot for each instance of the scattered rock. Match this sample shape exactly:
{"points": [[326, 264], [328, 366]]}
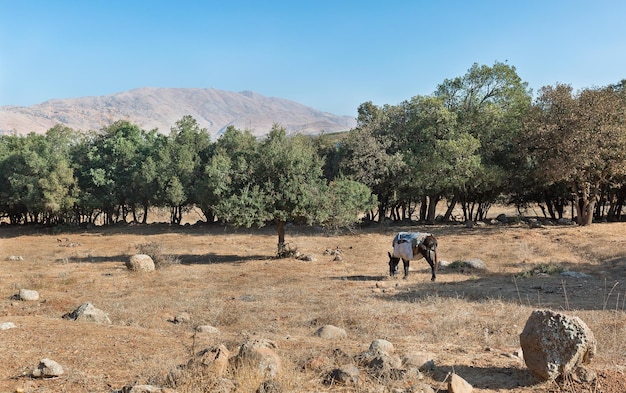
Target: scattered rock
{"points": [[269, 386], [207, 329], [381, 364], [344, 375], [47, 368], [183, 317], [259, 354], [215, 359], [423, 361], [564, 221], [140, 262], [476, 263], [316, 363], [569, 273], [457, 384], [28, 294], [7, 326], [146, 389], [88, 313], [556, 344], [330, 332], [381, 345]]}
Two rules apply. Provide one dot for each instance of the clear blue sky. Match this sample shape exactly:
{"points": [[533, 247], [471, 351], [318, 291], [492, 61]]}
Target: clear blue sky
{"points": [[332, 55]]}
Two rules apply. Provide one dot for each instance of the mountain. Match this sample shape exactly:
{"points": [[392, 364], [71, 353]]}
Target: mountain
{"points": [[160, 108]]}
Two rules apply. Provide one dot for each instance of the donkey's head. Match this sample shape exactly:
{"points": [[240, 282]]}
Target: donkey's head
{"points": [[393, 264]]}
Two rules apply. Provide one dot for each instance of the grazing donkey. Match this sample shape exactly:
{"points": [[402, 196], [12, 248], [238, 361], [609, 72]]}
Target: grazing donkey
{"points": [[407, 246]]}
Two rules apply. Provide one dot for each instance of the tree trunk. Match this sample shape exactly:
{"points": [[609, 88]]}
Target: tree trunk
{"points": [[280, 227], [449, 210], [432, 208], [585, 202]]}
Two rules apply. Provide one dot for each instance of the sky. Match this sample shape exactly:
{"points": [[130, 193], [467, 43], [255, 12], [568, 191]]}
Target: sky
{"points": [[331, 55]]}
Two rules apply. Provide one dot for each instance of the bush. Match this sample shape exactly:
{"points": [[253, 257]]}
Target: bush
{"points": [[155, 251]]}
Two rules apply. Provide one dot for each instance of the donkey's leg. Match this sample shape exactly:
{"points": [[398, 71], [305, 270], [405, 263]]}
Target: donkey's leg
{"points": [[405, 262], [431, 257]]}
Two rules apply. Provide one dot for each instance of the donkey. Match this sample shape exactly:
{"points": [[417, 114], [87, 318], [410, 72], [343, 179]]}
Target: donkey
{"points": [[407, 246]]}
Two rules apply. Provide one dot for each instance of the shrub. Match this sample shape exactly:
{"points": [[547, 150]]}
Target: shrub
{"points": [[155, 251]]}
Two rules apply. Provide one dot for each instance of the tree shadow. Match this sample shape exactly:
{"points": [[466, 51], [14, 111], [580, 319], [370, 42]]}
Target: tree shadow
{"points": [[358, 278], [188, 259], [591, 291]]}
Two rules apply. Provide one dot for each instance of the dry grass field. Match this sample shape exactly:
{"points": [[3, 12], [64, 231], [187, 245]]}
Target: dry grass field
{"points": [[468, 321]]}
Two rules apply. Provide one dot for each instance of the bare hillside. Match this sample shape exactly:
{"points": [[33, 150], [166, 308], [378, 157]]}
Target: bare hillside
{"points": [[161, 107]]}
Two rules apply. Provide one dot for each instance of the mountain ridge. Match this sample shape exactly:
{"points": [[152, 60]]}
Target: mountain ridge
{"points": [[152, 107]]}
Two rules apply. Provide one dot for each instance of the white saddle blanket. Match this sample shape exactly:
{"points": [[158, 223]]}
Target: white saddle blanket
{"points": [[404, 242]]}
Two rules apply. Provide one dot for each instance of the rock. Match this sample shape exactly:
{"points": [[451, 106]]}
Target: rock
{"points": [[476, 263], [381, 345], [575, 274], [269, 386], [259, 354], [422, 361], [47, 368], [146, 389], [15, 258], [381, 364], [28, 295], [344, 375], [7, 326], [140, 262], [564, 221], [88, 313], [215, 359], [183, 317], [330, 332], [457, 384], [207, 329], [556, 344]]}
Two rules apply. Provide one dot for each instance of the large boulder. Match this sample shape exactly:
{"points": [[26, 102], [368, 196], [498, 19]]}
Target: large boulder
{"points": [[556, 344], [140, 263]]}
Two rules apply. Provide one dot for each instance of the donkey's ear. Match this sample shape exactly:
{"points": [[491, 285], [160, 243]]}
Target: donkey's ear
{"points": [[389, 254]]}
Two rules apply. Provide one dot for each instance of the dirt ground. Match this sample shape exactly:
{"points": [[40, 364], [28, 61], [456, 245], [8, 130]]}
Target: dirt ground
{"points": [[468, 320]]}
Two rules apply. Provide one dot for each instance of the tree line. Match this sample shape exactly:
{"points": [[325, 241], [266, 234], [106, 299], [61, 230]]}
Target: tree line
{"points": [[479, 139]]}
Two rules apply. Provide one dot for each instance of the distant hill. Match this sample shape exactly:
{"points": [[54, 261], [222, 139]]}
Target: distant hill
{"points": [[160, 108]]}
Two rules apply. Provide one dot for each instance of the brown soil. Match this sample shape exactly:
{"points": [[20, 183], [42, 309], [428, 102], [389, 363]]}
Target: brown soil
{"points": [[469, 320]]}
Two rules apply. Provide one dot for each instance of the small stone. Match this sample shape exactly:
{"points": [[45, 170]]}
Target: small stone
{"points": [[7, 326], [48, 368], [207, 329], [28, 294]]}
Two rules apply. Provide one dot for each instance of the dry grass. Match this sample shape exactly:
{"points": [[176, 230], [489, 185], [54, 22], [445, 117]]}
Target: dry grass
{"points": [[469, 321]]}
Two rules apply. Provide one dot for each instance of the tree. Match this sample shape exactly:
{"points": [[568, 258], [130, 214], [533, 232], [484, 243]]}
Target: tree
{"points": [[285, 185], [38, 178], [579, 138], [490, 104], [187, 154]]}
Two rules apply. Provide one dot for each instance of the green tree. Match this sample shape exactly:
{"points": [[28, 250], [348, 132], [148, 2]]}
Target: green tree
{"points": [[285, 185], [580, 139], [38, 176], [186, 157], [490, 104]]}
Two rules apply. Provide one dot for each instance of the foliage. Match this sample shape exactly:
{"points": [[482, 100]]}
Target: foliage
{"points": [[155, 251], [543, 269], [476, 140]]}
